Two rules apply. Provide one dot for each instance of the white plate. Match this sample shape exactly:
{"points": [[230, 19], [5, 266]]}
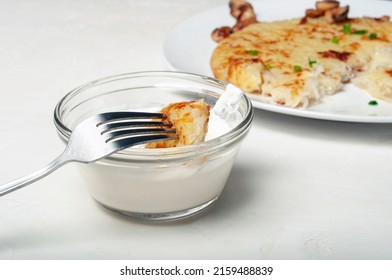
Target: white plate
{"points": [[188, 48]]}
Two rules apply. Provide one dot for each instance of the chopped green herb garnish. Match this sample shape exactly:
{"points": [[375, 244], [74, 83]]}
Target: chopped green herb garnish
{"points": [[360, 32], [373, 103], [335, 40], [253, 52], [372, 35], [311, 62], [268, 66], [297, 68], [347, 28]]}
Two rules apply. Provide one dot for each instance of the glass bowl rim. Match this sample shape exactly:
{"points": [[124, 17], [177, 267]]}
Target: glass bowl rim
{"points": [[212, 144]]}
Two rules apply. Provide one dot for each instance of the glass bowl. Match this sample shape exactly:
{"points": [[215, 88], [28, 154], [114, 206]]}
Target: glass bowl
{"points": [[155, 184]]}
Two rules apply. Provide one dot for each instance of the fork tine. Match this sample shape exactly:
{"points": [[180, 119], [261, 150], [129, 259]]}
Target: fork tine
{"points": [[113, 117], [133, 140], [108, 127], [113, 135]]}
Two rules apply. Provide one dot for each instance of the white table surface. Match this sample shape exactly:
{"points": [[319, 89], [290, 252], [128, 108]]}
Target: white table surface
{"points": [[300, 188]]}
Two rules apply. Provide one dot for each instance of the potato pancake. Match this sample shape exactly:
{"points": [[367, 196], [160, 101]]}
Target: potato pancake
{"points": [[190, 119], [296, 62]]}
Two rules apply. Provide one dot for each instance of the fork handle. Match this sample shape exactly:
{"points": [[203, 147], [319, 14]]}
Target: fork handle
{"points": [[31, 178]]}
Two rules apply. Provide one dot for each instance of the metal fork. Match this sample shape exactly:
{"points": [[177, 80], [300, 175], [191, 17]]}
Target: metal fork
{"points": [[98, 137]]}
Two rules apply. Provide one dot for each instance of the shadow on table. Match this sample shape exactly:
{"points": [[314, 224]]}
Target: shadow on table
{"points": [[371, 133]]}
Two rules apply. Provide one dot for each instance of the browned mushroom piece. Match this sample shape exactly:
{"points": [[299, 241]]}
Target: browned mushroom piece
{"points": [[236, 7], [312, 13], [337, 14], [303, 20], [326, 5], [221, 33], [379, 19], [246, 17]]}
